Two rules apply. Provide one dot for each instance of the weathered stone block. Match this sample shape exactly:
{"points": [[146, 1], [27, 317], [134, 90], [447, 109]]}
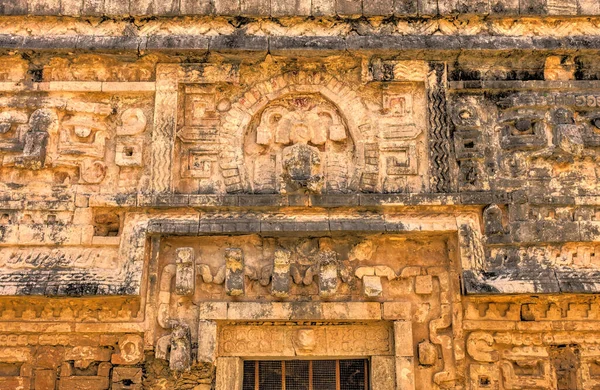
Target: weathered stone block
{"points": [[227, 7], [382, 369], [405, 373], [281, 279], [116, 7], [185, 277], [589, 7], [348, 7], [427, 353], [234, 279], [93, 7], [45, 379], [405, 7], [42, 7], [403, 338], [196, 7], [535, 7], [509, 7], [230, 371], [428, 7], [372, 286], [17, 7], [323, 7], [424, 285], [255, 7], [207, 341], [382, 7], [397, 311], [292, 7]]}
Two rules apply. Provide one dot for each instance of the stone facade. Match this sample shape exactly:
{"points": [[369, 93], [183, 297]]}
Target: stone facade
{"points": [[186, 185]]}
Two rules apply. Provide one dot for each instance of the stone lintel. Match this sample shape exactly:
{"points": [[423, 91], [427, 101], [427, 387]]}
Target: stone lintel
{"points": [[291, 311], [355, 311]]}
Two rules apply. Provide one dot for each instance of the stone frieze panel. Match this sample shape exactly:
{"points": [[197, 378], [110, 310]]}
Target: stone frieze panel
{"points": [[283, 341]]}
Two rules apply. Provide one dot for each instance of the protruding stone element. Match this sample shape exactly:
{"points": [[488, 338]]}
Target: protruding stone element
{"points": [[93, 172], [41, 123], [492, 220], [185, 277], [302, 167], [328, 274], [559, 68], [133, 121], [567, 136], [372, 286], [280, 280], [305, 341], [180, 357], [207, 341], [427, 353], [131, 350], [424, 285], [234, 276], [384, 271]]}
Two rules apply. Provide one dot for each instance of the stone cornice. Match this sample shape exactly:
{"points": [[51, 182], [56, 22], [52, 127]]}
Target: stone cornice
{"points": [[296, 8]]}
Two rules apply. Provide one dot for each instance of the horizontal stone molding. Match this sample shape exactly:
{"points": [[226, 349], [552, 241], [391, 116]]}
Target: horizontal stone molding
{"points": [[297, 45], [290, 311], [297, 8]]}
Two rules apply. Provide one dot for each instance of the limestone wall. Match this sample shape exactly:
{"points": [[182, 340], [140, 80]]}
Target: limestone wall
{"points": [[180, 194]]}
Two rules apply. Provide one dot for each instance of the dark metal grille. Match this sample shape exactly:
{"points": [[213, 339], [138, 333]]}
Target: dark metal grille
{"points": [[306, 375]]}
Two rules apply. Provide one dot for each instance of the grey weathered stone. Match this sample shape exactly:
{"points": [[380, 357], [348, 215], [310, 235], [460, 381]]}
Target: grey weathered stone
{"points": [[16, 7], [381, 7], [234, 277], [93, 7], [405, 7], [177, 42], [116, 7], [227, 7], [535, 7], [506, 7], [242, 42], [281, 279], [255, 7], [290, 8], [348, 7], [43, 7], [323, 7], [196, 7]]}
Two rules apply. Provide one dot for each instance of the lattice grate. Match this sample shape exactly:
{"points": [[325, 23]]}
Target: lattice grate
{"points": [[306, 375]]}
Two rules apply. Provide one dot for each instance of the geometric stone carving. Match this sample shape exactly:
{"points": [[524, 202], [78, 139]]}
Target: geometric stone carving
{"points": [[286, 149], [350, 340]]}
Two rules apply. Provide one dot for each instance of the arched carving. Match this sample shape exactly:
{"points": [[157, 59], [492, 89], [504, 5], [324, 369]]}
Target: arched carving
{"points": [[299, 143], [336, 112]]}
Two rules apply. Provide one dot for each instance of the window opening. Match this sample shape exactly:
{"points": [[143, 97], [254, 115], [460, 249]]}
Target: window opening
{"points": [[351, 374]]}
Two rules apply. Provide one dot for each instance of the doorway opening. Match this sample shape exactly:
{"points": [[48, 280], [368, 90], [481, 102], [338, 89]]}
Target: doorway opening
{"points": [[351, 374]]}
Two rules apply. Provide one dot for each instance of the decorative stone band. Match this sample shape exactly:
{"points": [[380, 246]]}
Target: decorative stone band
{"points": [[295, 8], [286, 45]]}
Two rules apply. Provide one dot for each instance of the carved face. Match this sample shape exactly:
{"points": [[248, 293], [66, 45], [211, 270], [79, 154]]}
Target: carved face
{"points": [[42, 120], [305, 340]]}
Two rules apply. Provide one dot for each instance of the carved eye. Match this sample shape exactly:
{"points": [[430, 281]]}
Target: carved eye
{"points": [[596, 122], [523, 125]]}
